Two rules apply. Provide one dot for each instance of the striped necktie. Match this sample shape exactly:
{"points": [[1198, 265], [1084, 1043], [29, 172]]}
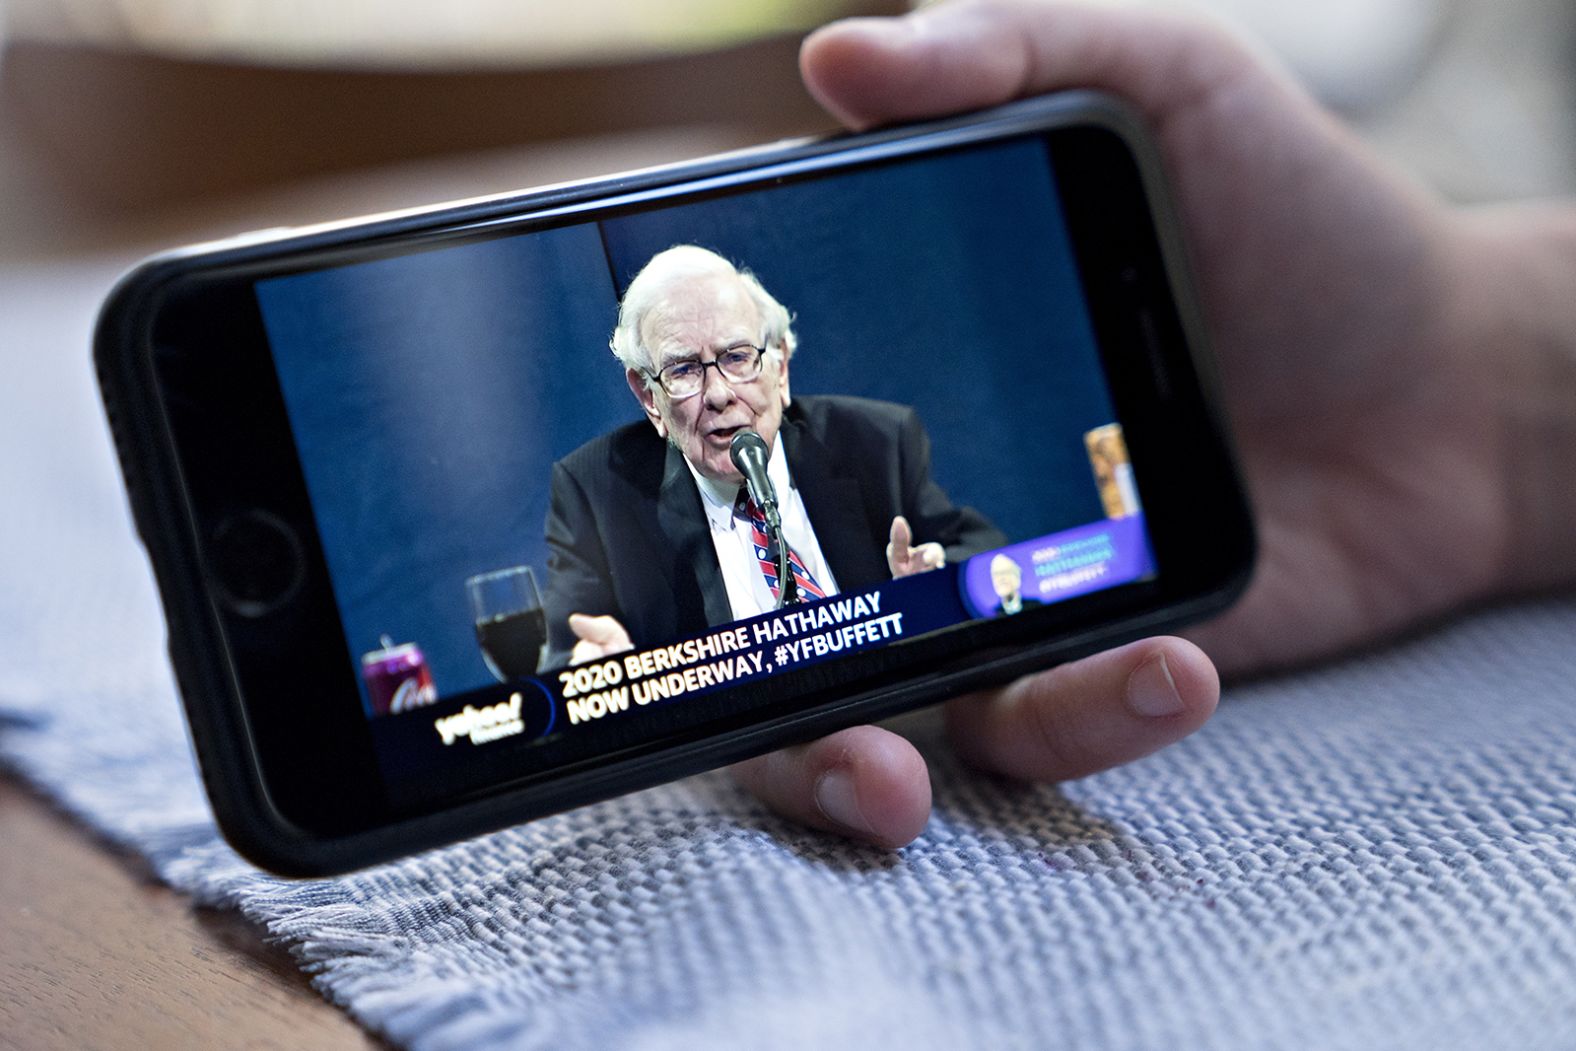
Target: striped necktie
{"points": [[751, 512]]}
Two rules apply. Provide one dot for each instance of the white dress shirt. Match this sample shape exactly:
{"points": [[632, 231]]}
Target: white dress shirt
{"points": [[731, 535]]}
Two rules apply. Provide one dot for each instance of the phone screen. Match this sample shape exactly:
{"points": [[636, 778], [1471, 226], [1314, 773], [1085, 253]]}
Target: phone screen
{"points": [[482, 465]]}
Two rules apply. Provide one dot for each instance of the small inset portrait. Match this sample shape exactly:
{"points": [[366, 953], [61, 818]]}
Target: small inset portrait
{"points": [[1006, 577]]}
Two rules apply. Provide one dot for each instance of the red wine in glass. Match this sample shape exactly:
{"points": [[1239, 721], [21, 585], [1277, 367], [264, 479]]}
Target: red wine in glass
{"points": [[510, 623]]}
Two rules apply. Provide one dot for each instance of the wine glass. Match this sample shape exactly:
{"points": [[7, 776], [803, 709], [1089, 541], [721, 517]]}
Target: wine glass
{"points": [[510, 623]]}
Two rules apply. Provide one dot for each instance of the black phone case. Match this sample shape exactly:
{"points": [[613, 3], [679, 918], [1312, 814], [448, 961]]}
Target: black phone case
{"points": [[220, 733]]}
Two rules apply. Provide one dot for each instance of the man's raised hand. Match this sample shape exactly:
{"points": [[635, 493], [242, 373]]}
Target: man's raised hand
{"points": [[904, 557], [598, 637]]}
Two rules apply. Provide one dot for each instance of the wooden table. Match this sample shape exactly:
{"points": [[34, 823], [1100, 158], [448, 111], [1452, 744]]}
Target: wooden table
{"points": [[94, 953]]}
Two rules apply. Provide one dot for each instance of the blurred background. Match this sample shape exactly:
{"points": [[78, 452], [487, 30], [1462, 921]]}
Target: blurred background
{"points": [[116, 113], [125, 119]]}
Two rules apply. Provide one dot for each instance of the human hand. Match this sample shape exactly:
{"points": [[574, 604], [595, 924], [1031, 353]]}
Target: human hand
{"points": [[904, 557], [1338, 295], [597, 637], [871, 784]]}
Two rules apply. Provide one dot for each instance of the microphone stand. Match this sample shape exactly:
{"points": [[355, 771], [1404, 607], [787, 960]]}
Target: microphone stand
{"points": [[787, 586]]}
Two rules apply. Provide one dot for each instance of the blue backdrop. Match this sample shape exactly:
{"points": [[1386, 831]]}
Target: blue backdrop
{"points": [[430, 394]]}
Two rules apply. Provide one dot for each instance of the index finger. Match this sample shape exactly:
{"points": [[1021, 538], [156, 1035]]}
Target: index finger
{"points": [[900, 536], [1094, 713]]}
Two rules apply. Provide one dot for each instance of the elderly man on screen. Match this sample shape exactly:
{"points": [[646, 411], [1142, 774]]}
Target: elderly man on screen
{"points": [[651, 532]]}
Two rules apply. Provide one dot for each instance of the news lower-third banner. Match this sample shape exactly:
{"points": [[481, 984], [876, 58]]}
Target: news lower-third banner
{"points": [[995, 583]]}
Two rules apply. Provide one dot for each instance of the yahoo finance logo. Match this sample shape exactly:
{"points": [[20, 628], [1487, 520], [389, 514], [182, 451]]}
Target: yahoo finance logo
{"points": [[482, 725]]}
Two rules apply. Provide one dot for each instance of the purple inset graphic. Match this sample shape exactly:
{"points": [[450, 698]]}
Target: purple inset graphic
{"points": [[1052, 568]]}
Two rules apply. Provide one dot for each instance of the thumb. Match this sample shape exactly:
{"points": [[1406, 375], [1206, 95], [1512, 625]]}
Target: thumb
{"points": [[959, 56], [604, 631]]}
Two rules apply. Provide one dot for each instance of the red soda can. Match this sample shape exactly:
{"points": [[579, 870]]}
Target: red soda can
{"points": [[397, 678]]}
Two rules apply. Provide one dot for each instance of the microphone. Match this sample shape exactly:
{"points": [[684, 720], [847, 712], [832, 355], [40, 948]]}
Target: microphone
{"points": [[748, 453]]}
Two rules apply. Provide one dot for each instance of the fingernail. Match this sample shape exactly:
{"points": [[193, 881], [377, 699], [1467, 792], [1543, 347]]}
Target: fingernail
{"points": [[834, 795], [1152, 692]]}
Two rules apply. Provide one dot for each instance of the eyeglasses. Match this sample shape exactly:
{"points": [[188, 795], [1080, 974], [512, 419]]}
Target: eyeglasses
{"points": [[684, 379]]}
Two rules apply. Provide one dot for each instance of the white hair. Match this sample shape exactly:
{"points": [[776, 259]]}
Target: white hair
{"points": [[649, 290], [1003, 562]]}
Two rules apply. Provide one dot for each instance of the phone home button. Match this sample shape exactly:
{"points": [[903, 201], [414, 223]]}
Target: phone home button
{"points": [[257, 562]]}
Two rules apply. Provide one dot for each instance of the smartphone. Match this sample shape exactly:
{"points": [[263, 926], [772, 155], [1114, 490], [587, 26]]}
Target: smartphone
{"points": [[468, 515]]}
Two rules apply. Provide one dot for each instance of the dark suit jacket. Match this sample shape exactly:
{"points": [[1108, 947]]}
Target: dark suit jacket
{"points": [[627, 533], [1025, 603]]}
